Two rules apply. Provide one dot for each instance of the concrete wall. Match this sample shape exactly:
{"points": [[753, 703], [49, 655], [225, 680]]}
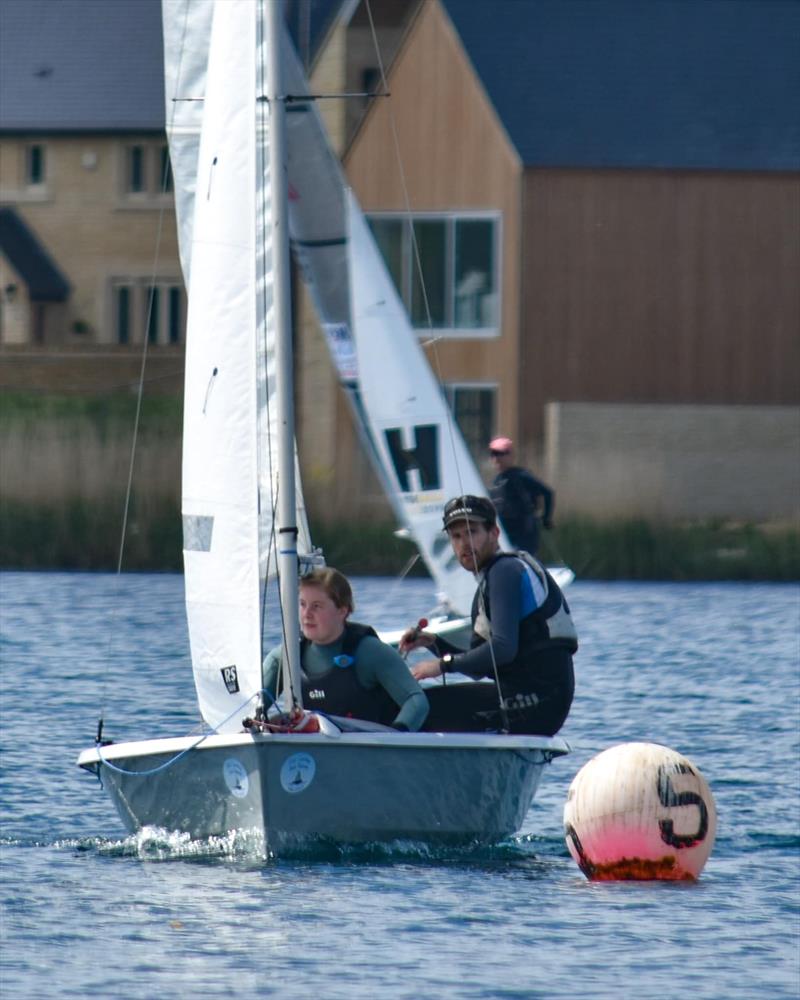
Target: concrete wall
{"points": [[674, 462], [604, 461], [54, 461]]}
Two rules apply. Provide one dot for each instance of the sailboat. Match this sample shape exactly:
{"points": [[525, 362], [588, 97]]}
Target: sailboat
{"points": [[317, 778]]}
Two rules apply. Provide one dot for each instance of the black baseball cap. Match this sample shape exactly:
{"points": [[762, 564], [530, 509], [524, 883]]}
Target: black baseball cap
{"points": [[469, 508]]}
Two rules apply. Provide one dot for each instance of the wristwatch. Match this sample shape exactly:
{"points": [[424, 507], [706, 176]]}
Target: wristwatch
{"points": [[446, 663]]}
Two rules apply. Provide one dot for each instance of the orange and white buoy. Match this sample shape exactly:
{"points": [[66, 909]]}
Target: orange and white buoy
{"points": [[640, 811]]}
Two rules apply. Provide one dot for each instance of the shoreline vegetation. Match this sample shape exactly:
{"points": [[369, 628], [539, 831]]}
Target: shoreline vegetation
{"points": [[84, 535], [63, 513]]}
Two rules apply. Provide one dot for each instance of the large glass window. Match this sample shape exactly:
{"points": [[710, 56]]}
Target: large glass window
{"points": [[444, 268], [474, 408], [474, 293]]}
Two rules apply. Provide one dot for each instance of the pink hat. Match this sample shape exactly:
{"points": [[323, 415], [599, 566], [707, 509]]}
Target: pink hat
{"points": [[501, 444]]}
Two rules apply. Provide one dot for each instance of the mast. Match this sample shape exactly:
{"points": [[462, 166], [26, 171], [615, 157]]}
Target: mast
{"points": [[287, 517]]}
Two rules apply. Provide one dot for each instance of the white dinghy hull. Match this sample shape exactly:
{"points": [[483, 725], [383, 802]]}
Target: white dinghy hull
{"points": [[338, 788]]}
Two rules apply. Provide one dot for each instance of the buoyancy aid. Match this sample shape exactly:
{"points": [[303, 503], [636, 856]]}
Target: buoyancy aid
{"points": [[339, 691], [548, 626]]}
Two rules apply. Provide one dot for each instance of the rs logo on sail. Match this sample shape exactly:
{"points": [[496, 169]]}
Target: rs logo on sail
{"points": [[231, 678]]}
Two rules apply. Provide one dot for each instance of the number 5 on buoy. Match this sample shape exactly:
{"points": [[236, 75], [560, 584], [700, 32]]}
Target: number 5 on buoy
{"points": [[640, 811]]}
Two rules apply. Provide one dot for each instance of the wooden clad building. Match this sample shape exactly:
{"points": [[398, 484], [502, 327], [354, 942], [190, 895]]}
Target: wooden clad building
{"points": [[642, 167]]}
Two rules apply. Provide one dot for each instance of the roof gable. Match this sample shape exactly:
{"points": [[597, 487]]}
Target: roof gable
{"points": [[687, 84]]}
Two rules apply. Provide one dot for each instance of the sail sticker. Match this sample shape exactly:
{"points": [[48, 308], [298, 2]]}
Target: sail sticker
{"points": [[342, 349], [235, 775], [231, 678], [297, 773], [197, 532]]}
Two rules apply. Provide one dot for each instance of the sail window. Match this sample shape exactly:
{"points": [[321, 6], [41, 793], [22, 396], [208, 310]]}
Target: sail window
{"points": [[445, 269]]}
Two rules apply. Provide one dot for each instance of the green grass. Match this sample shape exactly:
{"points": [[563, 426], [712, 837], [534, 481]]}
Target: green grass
{"points": [[105, 411], [641, 550], [82, 535], [79, 535]]}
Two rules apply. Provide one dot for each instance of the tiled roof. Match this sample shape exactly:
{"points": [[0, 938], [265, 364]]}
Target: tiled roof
{"points": [[705, 84], [97, 65], [30, 260], [76, 65]]}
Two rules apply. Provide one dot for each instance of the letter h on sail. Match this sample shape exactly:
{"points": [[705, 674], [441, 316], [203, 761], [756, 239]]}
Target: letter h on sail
{"points": [[423, 458]]}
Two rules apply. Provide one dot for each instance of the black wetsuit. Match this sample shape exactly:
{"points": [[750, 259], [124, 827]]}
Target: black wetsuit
{"points": [[339, 692], [515, 493], [521, 608]]}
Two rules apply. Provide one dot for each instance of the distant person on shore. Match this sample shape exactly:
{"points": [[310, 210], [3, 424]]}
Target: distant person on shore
{"points": [[346, 669], [523, 637], [524, 503]]}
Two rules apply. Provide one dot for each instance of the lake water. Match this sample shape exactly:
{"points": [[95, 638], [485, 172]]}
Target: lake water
{"points": [[710, 670]]}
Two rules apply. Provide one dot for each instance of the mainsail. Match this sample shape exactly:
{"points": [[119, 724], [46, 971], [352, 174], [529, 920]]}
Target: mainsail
{"points": [[223, 538]]}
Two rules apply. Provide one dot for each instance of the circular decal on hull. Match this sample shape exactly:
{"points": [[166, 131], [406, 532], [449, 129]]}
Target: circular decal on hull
{"points": [[297, 772], [236, 777]]}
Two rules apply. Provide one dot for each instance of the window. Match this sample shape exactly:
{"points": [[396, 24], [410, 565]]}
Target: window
{"points": [[175, 314], [136, 170], [370, 82], [147, 171], [165, 171], [35, 165], [122, 313], [139, 306], [458, 260], [153, 314], [474, 407]]}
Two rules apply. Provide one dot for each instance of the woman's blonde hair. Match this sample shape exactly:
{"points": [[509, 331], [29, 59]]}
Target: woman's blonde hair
{"points": [[335, 584]]}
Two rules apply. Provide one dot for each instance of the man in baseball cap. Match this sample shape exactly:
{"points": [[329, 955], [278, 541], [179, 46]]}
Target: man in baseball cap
{"points": [[523, 637]]}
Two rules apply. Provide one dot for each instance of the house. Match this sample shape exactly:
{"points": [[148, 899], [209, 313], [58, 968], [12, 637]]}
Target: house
{"points": [[88, 252], [606, 204]]}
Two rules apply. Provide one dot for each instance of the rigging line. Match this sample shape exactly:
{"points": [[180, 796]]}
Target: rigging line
{"points": [[173, 760], [140, 391], [433, 340]]}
